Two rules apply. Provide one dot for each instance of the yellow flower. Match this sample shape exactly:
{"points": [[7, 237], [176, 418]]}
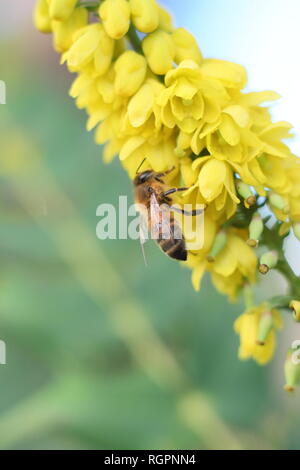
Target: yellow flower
{"points": [[232, 76], [41, 16], [108, 133], [186, 47], [234, 265], [61, 10], [248, 327], [216, 184], [159, 50], [165, 20], [130, 70], [159, 154], [91, 46], [190, 98], [115, 16], [228, 138], [63, 31], [145, 15]]}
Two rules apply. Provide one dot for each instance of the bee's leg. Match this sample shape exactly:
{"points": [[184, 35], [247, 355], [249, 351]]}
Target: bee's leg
{"points": [[192, 213], [174, 190]]}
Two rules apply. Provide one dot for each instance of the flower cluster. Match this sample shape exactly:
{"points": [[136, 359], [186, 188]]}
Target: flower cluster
{"points": [[149, 93]]}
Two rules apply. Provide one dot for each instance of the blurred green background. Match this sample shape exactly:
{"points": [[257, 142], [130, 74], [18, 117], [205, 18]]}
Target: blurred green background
{"points": [[103, 353]]}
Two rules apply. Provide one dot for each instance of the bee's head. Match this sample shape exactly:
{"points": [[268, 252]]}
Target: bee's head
{"points": [[143, 177]]}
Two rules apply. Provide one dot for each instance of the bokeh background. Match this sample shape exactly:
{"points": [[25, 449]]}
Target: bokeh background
{"points": [[103, 353]]}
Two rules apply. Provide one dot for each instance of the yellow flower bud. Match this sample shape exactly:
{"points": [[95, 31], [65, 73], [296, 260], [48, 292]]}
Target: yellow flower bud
{"points": [[165, 20], [61, 10], [41, 17], [115, 16], [63, 31], [130, 71], [159, 50], [186, 46], [145, 15], [295, 305]]}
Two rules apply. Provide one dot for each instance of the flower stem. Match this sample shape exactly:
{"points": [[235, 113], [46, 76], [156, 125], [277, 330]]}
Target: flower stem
{"points": [[91, 6], [134, 39], [294, 281]]}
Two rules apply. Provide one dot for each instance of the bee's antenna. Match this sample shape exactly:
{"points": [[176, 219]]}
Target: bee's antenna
{"points": [[143, 161]]}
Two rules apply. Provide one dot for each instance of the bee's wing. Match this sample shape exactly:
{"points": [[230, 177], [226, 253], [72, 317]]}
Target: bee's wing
{"points": [[143, 232], [162, 222]]}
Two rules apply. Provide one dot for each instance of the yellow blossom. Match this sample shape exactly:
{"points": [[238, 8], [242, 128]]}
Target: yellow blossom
{"points": [[186, 46], [236, 263], [130, 70], [159, 50], [41, 16], [115, 16], [145, 15], [160, 155], [232, 76], [247, 326], [61, 10], [63, 31], [92, 44], [165, 20], [190, 98], [216, 184]]}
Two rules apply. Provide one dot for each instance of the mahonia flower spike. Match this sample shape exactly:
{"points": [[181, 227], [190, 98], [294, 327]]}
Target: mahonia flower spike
{"points": [[149, 92]]}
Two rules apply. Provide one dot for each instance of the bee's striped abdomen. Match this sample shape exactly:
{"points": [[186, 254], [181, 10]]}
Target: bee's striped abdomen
{"points": [[173, 247]]}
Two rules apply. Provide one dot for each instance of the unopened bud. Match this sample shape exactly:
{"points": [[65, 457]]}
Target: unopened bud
{"points": [[256, 229], [244, 190], [130, 71], [115, 16], [265, 326], [219, 244], [186, 47], [41, 16], [278, 202], [268, 261], [145, 15], [159, 50], [295, 306], [296, 229], [292, 370], [61, 10]]}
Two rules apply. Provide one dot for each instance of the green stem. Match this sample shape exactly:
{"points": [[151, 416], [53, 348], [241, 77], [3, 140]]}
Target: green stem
{"points": [[134, 39], [281, 301], [274, 241], [248, 296], [294, 281], [91, 6]]}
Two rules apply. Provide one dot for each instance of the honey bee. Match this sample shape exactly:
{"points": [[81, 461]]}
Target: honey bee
{"points": [[152, 194]]}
